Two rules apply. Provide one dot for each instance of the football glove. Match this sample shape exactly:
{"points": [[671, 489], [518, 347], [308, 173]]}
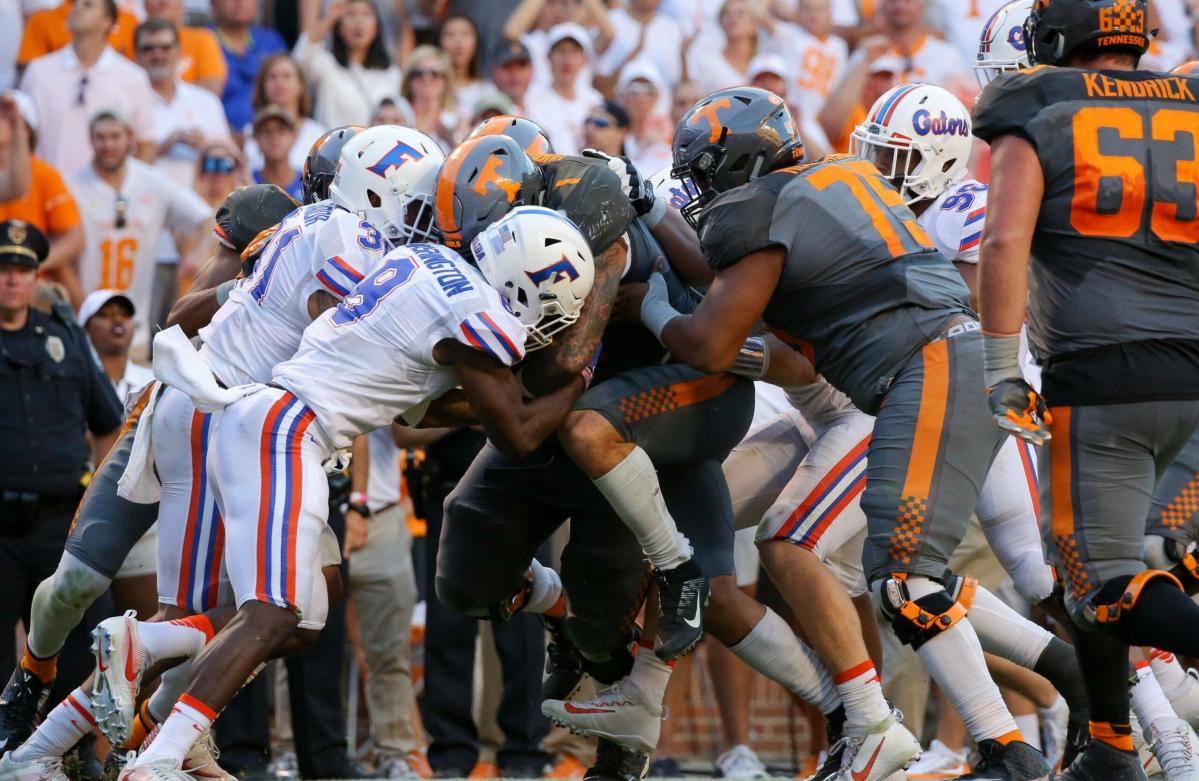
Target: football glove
{"points": [[637, 189], [1020, 410]]}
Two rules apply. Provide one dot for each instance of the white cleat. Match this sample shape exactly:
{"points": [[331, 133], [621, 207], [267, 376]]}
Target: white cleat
{"points": [[201, 761], [40, 769], [1184, 698], [619, 713], [741, 763], [880, 754], [120, 662], [1054, 731], [161, 770], [1176, 748], [939, 763]]}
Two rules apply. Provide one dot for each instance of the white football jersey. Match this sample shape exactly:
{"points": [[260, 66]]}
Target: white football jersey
{"points": [[371, 358], [316, 247], [955, 220]]}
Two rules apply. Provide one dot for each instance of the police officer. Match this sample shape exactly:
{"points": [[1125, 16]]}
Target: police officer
{"points": [[52, 393]]}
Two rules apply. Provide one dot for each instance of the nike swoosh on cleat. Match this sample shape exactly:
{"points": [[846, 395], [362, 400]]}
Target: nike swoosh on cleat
{"points": [[693, 622], [860, 775], [130, 673], [574, 709]]}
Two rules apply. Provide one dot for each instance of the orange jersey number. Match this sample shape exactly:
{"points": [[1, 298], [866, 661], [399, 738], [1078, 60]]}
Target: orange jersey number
{"points": [[875, 198], [116, 269], [1091, 167]]}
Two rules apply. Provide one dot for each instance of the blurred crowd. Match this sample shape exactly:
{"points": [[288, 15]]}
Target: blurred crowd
{"points": [[124, 124]]}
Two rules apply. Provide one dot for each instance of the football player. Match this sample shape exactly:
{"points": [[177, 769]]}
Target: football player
{"points": [[1095, 234], [828, 254], [1001, 46]]}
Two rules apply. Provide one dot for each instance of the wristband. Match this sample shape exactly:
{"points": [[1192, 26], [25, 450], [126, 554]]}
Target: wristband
{"points": [[359, 497], [361, 509], [655, 213], [1001, 358], [222, 291], [753, 359]]}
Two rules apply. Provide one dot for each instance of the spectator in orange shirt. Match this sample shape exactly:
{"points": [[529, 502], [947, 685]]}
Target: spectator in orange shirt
{"points": [[15, 170], [48, 204], [201, 61], [46, 31]]}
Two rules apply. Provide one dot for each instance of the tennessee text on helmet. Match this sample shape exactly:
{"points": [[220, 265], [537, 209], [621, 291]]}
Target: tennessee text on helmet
{"points": [[1057, 28]]}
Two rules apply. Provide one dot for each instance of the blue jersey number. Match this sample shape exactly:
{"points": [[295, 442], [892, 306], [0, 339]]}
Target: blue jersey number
{"points": [[370, 239], [265, 267], [366, 297], [963, 199]]}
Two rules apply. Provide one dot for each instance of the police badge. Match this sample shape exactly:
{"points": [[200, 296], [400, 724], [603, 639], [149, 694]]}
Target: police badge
{"points": [[55, 348]]}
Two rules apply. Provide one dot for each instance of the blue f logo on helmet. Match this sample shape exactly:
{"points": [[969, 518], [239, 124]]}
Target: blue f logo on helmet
{"points": [[556, 272], [399, 154]]}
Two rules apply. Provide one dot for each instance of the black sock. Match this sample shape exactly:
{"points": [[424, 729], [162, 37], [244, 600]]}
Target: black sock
{"points": [[1059, 664], [1103, 659], [1165, 618]]}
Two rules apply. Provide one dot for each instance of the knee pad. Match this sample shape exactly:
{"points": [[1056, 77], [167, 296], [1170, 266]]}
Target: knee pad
{"points": [[1120, 595], [916, 621], [74, 585], [1162, 553], [1186, 570], [463, 600]]}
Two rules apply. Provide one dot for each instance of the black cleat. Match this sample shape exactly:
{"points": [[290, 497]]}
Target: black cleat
{"points": [[616, 763], [1078, 735], [1015, 761], [834, 726], [21, 706], [563, 663], [682, 597], [1101, 762]]}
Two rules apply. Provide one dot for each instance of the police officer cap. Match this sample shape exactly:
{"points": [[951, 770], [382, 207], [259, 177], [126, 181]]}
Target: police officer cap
{"points": [[22, 244]]}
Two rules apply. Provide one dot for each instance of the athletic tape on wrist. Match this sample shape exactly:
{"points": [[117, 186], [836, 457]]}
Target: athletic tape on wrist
{"points": [[753, 359], [1001, 358], [656, 310], [655, 214]]}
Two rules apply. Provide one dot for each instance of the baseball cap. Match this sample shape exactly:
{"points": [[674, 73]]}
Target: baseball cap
{"points": [[511, 51], [110, 113], [22, 244], [493, 100], [274, 111], [569, 30], [769, 63], [888, 63], [97, 299]]}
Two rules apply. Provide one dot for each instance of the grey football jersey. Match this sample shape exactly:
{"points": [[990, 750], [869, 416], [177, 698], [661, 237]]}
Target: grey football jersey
{"points": [[862, 288]]}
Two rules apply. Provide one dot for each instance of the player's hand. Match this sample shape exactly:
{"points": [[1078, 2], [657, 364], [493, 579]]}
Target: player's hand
{"points": [[1020, 410], [357, 526], [637, 189]]}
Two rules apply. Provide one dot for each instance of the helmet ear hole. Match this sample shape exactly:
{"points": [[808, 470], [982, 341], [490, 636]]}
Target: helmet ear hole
{"points": [[521, 296], [373, 198], [550, 241]]}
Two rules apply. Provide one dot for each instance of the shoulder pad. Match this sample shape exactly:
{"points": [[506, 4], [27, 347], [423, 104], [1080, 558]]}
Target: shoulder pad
{"points": [[590, 195], [1010, 102]]}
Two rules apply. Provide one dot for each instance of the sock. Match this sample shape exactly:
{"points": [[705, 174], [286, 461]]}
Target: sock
{"points": [[862, 693], [631, 488], [189, 719], [1030, 727], [546, 591], [59, 603], [1148, 700], [1103, 659], [62, 728], [1166, 668], [773, 650], [650, 675], [46, 670], [954, 659], [1004, 632], [1118, 736], [172, 639], [172, 684], [1059, 665], [143, 725]]}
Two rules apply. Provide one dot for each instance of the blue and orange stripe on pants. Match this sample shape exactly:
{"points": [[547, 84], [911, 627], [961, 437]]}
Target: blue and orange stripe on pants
{"points": [[839, 486], [204, 530], [280, 467]]}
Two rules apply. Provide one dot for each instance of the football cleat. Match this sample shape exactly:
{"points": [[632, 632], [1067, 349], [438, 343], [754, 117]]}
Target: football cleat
{"points": [[619, 713], [939, 763], [617, 763], [1101, 762], [1055, 722], [120, 662], [741, 763], [682, 597], [1176, 748], [159, 770], [1184, 698], [1015, 761], [201, 760], [563, 663], [39, 769], [880, 753], [21, 705]]}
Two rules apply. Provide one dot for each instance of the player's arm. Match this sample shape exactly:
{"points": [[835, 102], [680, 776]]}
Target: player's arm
{"points": [[681, 244], [712, 336], [450, 410], [514, 426], [195, 309], [573, 349], [787, 367]]}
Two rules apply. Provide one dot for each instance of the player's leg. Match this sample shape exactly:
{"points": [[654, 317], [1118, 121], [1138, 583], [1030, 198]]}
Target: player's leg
{"points": [[1174, 511], [1009, 509], [266, 463], [933, 444], [625, 427]]}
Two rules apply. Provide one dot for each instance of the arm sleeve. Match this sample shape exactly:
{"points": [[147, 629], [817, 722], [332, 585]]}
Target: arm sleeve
{"points": [[737, 224], [494, 332]]}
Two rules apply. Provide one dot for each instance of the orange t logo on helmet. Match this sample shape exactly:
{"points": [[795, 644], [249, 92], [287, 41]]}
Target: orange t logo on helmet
{"points": [[711, 112], [489, 175]]}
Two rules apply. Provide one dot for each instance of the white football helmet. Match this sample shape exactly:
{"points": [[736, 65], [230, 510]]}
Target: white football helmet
{"points": [[387, 175], [542, 267], [1001, 46], [918, 136]]}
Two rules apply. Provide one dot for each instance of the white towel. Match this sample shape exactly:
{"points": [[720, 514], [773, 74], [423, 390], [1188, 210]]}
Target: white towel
{"points": [[177, 363], [139, 483]]}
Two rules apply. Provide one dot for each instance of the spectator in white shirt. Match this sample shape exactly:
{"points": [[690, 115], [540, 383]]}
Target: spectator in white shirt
{"points": [[644, 94], [460, 41], [769, 72], [280, 82], [186, 117], [354, 72], [427, 88], [561, 108], [393, 110], [714, 69], [533, 20], [925, 57], [512, 72], [643, 31], [70, 85], [107, 317]]}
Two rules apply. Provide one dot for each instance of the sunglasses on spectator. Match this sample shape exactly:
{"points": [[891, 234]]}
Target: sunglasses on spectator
{"points": [[600, 122], [217, 165], [147, 48], [430, 72], [639, 88], [122, 206]]}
